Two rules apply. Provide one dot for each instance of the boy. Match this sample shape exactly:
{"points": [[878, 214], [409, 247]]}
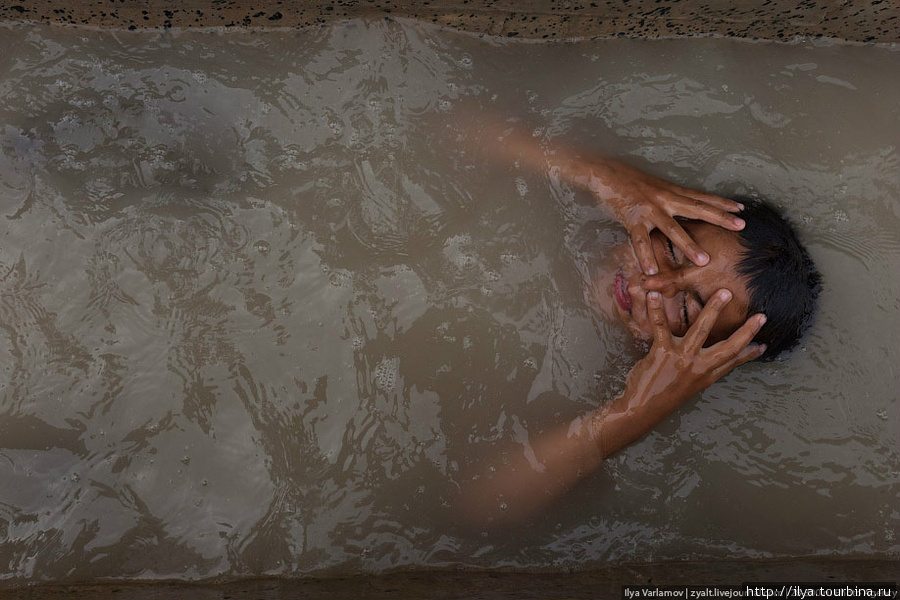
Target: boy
{"points": [[713, 283]]}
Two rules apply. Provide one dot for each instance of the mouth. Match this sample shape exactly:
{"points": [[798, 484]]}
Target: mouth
{"points": [[621, 292]]}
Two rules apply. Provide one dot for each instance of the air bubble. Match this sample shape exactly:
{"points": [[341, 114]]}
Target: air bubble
{"points": [[521, 187], [386, 373]]}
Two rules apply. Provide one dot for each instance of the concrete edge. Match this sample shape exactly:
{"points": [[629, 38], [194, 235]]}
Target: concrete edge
{"points": [[600, 583], [872, 21]]}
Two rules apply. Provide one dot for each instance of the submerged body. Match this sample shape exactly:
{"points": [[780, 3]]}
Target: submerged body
{"points": [[682, 305]]}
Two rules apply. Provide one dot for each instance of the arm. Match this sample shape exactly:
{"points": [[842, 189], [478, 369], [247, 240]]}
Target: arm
{"points": [[640, 201], [673, 371]]}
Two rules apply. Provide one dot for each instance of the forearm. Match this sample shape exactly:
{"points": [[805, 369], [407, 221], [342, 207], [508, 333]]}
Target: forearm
{"points": [[532, 476], [545, 468], [512, 143], [627, 419]]}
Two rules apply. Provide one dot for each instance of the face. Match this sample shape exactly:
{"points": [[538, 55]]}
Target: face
{"points": [[684, 286]]}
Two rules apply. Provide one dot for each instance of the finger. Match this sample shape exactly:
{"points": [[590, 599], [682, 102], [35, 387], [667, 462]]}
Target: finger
{"points": [[685, 243], [663, 283], [662, 335], [711, 199], [740, 338], [748, 353], [698, 332], [640, 241], [701, 211]]}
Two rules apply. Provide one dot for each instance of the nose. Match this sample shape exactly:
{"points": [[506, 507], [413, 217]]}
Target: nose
{"points": [[668, 283]]}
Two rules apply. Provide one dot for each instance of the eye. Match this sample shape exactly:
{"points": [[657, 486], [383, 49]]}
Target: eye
{"points": [[671, 251], [684, 310]]}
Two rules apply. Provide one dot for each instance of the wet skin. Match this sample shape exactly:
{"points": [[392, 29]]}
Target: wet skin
{"points": [[685, 287]]}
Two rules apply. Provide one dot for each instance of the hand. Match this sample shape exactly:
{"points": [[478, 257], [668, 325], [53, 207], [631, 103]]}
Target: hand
{"points": [[676, 369], [644, 203]]}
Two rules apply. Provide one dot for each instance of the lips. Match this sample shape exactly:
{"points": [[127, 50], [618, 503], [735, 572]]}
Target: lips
{"points": [[621, 292]]}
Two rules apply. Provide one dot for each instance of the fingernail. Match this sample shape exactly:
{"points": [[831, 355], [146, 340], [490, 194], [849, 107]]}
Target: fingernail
{"points": [[739, 223], [725, 295], [650, 270], [653, 296], [762, 320], [702, 258], [740, 206], [762, 348]]}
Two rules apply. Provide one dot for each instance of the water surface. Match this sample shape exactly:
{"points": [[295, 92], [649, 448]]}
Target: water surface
{"points": [[263, 300]]}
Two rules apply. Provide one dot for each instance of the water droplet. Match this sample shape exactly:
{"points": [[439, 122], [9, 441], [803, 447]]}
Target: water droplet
{"points": [[262, 246]]}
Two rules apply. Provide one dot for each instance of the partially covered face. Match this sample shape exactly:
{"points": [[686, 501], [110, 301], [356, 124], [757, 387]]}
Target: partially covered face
{"points": [[685, 287]]}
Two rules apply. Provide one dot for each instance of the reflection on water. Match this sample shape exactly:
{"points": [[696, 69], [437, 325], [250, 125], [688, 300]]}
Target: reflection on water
{"points": [[263, 302]]}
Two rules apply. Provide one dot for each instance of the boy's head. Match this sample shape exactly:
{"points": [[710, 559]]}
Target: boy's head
{"points": [[764, 266]]}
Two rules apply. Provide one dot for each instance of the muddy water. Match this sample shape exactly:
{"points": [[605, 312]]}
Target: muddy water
{"points": [[263, 301]]}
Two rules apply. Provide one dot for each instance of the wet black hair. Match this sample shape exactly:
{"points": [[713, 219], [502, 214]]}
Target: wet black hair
{"points": [[781, 278]]}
